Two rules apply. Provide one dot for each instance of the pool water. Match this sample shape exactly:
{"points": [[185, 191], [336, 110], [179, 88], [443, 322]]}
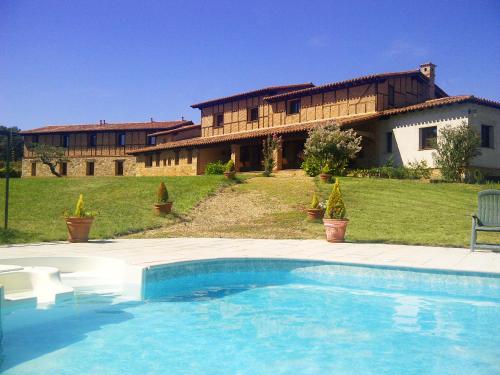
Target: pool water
{"points": [[267, 317]]}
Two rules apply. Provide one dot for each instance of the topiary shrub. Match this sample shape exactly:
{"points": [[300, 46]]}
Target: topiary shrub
{"points": [[216, 167], [315, 201], [162, 194], [229, 168], [335, 208]]}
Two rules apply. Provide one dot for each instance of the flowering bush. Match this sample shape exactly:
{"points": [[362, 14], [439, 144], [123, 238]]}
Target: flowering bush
{"points": [[331, 148]]}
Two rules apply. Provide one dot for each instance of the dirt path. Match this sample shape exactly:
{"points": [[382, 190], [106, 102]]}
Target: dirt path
{"points": [[260, 207]]}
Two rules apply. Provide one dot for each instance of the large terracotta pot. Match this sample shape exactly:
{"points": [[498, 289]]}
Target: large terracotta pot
{"points": [[79, 228], [163, 208], [229, 175], [325, 177], [315, 213], [335, 229]]}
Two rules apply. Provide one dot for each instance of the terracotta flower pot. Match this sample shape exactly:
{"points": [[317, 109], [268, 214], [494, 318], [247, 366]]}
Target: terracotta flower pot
{"points": [[325, 177], [335, 229], [79, 228], [163, 208], [315, 213], [229, 175]]}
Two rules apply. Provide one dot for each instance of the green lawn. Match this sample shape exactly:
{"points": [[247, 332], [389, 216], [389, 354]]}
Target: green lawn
{"points": [[124, 204], [409, 212]]}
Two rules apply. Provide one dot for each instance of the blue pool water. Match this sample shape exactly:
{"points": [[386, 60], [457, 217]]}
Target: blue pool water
{"points": [[267, 317]]}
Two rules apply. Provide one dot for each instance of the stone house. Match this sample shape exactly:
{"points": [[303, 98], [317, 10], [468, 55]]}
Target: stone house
{"points": [[398, 115]]}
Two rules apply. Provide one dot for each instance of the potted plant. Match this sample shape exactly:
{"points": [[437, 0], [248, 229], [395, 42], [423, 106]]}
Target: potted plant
{"points": [[229, 169], [162, 206], [326, 174], [316, 211], [79, 223], [335, 221]]}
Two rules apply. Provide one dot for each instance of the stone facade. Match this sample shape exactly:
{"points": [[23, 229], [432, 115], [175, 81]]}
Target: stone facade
{"points": [[168, 163], [77, 167]]}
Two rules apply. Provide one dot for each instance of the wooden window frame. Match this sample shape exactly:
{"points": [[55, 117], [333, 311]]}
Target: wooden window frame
{"points": [[176, 157], [423, 140], [92, 140], [216, 120], [169, 161], [250, 112], [190, 156], [63, 168], [65, 140], [157, 159], [289, 107], [118, 139], [34, 138], [151, 140], [491, 136], [148, 162], [33, 168]]}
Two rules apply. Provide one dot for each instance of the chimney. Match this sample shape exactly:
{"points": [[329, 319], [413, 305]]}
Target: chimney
{"points": [[429, 70], [103, 122], [100, 122], [182, 117], [151, 119]]}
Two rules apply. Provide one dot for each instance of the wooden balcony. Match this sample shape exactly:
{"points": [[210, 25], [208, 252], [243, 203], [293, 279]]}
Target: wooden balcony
{"points": [[98, 151]]}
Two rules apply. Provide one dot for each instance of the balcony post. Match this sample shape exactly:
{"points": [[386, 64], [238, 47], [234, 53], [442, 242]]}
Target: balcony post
{"points": [[235, 156]]}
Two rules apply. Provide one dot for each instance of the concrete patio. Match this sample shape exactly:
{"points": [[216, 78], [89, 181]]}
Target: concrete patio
{"points": [[142, 253]]}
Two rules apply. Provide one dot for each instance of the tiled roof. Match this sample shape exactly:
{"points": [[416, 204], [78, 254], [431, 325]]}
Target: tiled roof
{"points": [[440, 102], [262, 132], [346, 83], [271, 90], [177, 129], [159, 125]]}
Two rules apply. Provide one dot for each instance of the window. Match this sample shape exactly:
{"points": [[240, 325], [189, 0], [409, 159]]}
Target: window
{"points": [[219, 119], [120, 139], [176, 157], [151, 140], [90, 168], [33, 169], [92, 140], [293, 106], [253, 114], [65, 140], [388, 142], [34, 138], [165, 162], [428, 137], [157, 160], [487, 136], [169, 161], [119, 167], [391, 96], [63, 169], [149, 161], [190, 156]]}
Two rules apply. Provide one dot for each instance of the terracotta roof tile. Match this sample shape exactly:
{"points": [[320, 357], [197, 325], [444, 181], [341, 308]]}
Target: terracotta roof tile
{"points": [[177, 129], [159, 125], [262, 132], [264, 91]]}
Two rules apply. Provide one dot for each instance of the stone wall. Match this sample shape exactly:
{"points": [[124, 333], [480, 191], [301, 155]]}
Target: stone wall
{"points": [[163, 163], [77, 167]]}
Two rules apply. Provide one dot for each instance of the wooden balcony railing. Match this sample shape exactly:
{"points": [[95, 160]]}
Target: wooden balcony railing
{"points": [[83, 151], [209, 131]]}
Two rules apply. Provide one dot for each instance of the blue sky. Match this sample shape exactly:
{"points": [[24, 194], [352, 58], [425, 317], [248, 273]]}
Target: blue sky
{"points": [[82, 61]]}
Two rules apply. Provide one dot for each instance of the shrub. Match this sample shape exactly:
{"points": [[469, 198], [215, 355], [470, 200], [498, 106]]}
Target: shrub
{"points": [[329, 145], [216, 167], [315, 201], [335, 208], [229, 166], [311, 166], [162, 194], [269, 145], [12, 172], [415, 170], [455, 148]]}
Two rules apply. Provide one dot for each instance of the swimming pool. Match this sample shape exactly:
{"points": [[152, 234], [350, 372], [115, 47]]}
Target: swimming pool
{"points": [[259, 316]]}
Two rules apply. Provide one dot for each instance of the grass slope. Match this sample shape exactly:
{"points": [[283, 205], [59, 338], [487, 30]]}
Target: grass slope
{"points": [[124, 204]]}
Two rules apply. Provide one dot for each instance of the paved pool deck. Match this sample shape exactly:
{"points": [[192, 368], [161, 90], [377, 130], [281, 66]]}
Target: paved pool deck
{"points": [[144, 253]]}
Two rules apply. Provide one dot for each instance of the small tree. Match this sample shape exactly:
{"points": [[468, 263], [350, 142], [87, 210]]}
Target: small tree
{"points": [[162, 194], [230, 166], [455, 148], [335, 208], [269, 145], [331, 147], [49, 155], [314, 201]]}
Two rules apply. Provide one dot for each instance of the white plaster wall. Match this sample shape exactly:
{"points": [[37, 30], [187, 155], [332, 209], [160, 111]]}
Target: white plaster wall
{"points": [[406, 139]]}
